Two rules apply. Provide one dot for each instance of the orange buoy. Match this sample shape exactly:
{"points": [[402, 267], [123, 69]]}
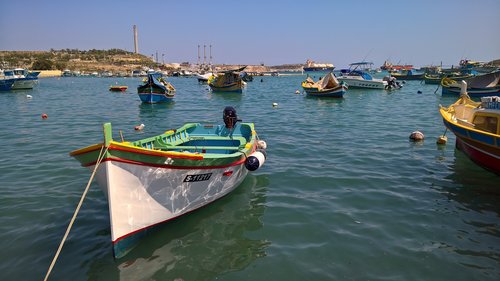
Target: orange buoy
{"points": [[442, 140], [45, 116]]}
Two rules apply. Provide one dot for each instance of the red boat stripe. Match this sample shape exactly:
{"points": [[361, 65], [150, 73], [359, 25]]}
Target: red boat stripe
{"points": [[236, 163]]}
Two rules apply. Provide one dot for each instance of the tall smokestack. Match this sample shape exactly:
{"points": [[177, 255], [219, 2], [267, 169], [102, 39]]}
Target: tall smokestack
{"points": [[136, 44], [204, 55]]}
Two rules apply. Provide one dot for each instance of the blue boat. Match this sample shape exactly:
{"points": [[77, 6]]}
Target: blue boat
{"points": [[156, 90], [6, 84], [23, 79]]}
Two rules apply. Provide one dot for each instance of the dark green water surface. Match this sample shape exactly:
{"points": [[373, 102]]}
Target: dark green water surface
{"points": [[343, 194]]}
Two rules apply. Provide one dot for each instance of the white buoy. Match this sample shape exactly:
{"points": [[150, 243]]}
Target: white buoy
{"points": [[29, 97], [261, 144], [297, 92], [275, 104], [416, 136], [140, 127]]}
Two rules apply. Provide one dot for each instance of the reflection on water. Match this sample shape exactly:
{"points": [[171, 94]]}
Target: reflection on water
{"points": [[468, 173], [205, 243], [474, 187], [226, 96], [147, 110]]}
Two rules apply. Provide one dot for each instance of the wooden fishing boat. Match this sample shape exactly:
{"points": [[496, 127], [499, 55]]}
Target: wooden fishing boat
{"points": [[153, 180], [155, 90], [227, 81], [327, 86], [118, 88], [476, 126], [477, 86], [407, 75], [436, 78]]}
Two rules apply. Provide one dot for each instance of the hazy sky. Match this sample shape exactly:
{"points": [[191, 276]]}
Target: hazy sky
{"points": [[419, 32]]}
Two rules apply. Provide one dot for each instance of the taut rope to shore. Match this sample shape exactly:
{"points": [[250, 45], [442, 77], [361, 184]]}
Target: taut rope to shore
{"points": [[99, 160]]}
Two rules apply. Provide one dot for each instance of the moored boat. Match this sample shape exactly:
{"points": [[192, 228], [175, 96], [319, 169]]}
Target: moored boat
{"points": [[407, 75], [156, 89], [312, 66], [118, 88], [23, 79], [476, 126], [227, 81], [477, 86], [436, 78], [392, 67], [153, 180], [360, 79], [203, 78], [327, 86]]}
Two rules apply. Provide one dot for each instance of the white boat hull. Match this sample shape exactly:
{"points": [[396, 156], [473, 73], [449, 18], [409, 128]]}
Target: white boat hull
{"points": [[142, 196], [21, 84], [357, 82]]}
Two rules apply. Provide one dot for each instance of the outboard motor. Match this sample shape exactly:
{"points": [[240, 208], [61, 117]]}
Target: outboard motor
{"points": [[230, 117]]}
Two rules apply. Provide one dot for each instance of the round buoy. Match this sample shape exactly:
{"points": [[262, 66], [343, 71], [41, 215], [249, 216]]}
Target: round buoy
{"points": [[297, 92], [275, 104], [29, 97], [416, 136], [419, 92], [140, 127], [45, 116], [261, 144], [442, 140]]}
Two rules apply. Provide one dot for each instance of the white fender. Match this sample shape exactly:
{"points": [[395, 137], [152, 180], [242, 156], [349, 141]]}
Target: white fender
{"points": [[255, 160]]}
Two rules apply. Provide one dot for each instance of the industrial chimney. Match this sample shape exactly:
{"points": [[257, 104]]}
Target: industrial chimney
{"points": [[136, 46]]}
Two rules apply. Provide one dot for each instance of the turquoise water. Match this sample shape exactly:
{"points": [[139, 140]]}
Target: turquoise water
{"points": [[343, 194]]}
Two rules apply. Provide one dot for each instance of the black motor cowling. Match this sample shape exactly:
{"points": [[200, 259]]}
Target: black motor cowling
{"points": [[230, 117]]}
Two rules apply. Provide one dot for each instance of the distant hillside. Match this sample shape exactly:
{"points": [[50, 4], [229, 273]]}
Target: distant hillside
{"points": [[74, 59], [114, 60]]}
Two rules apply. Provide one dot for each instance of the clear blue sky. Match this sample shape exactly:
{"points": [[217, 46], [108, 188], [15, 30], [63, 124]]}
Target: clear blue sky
{"points": [[419, 32]]}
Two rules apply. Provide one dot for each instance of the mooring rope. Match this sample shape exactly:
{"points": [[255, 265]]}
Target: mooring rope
{"points": [[99, 160]]}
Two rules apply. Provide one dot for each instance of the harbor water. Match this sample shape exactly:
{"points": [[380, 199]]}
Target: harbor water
{"points": [[343, 195]]}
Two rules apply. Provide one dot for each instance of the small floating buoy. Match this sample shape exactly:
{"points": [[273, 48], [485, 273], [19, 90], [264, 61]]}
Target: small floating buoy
{"points": [[442, 140], [29, 97], [261, 144], [416, 136], [297, 92], [419, 92], [140, 127], [45, 116], [275, 104]]}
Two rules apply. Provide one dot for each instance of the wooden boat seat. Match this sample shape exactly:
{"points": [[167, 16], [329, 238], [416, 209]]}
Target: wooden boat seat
{"points": [[200, 148], [176, 141]]}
